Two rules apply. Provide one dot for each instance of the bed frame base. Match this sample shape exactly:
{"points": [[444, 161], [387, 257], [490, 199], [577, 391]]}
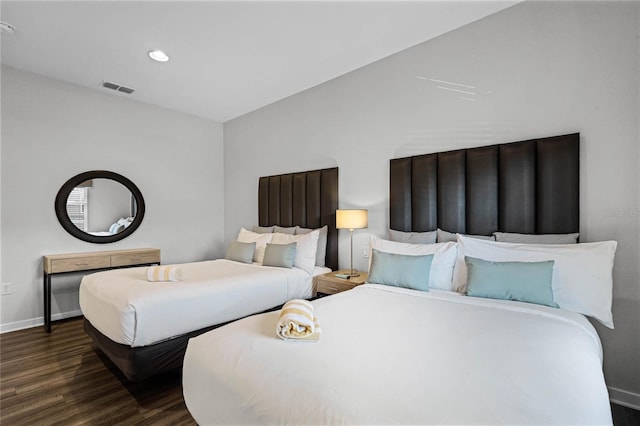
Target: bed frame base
{"points": [[140, 363]]}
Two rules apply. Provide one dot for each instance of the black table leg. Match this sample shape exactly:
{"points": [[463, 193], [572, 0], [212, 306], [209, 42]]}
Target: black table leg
{"points": [[47, 302], [46, 288]]}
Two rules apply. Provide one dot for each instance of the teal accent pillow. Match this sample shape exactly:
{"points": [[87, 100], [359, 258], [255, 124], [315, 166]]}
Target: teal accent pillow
{"points": [[400, 270], [115, 228], [521, 281], [240, 252], [281, 255]]}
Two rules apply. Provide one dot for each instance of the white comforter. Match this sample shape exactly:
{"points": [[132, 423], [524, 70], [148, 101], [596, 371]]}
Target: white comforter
{"points": [[395, 356], [128, 309]]}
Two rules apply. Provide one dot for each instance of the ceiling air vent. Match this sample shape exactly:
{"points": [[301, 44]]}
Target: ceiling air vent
{"points": [[116, 87]]}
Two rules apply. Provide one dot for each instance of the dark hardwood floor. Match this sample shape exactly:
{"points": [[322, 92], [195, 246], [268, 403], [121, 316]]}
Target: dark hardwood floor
{"points": [[623, 416], [62, 379]]}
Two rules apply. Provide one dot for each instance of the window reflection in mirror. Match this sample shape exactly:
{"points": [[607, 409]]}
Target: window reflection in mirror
{"points": [[101, 207]]}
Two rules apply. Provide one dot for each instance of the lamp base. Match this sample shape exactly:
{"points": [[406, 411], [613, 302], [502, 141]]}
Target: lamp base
{"points": [[354, 273]]}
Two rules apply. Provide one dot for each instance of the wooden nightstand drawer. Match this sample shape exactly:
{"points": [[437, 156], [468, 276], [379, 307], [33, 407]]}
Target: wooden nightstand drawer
{"points": [[331, 287], [79, 263], [330, 284], [135, 258]]}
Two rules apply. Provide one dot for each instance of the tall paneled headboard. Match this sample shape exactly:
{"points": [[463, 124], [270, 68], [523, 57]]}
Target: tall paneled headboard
{"points": [[529, 187], [307, 199]]}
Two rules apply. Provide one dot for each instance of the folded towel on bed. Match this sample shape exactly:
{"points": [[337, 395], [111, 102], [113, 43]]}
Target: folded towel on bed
{"points": [[164, 273], [296, 322]]}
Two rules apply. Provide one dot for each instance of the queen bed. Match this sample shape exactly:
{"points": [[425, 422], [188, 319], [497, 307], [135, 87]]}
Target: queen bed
{"points": [[143, 324], [495, 333], [395, 356], [132, 311]]}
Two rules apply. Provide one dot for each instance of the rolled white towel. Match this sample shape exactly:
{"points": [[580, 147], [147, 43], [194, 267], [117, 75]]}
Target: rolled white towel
{"points": [[164, 273], [297, 322]]}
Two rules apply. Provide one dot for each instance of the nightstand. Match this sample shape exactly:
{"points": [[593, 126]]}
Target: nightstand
{"points": [[330, 284]]}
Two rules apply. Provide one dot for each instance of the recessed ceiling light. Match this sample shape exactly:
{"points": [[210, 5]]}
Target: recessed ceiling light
{"points": [[158, 55]]}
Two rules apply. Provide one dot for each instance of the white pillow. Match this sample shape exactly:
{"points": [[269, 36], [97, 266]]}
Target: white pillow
{"points": [[510, 237], [444, 258], [428, 237], [307, 246], [582, 275], [444, 236], [261, 241], [126, 222], [321, 254], [262, 229], [285, 230]]}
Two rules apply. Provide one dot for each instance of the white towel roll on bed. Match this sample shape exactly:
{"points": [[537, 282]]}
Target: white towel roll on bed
{"points": [[297, 322], [164, 273]]}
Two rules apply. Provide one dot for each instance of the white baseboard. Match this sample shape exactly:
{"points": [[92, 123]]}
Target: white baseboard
{"points": [[35, 322], [624, 398]]}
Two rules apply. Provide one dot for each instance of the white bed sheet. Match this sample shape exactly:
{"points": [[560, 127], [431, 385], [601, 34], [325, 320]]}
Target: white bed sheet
{"points": [[396, 356], [130, 310]]}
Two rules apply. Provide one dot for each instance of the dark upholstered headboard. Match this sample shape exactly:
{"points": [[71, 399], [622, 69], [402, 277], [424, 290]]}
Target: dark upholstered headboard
{"points": [[529, 187], [308, 199]]}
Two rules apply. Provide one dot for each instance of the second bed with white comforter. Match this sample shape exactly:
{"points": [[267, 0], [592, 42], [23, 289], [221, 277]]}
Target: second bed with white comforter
{"points": [[130, 310]]}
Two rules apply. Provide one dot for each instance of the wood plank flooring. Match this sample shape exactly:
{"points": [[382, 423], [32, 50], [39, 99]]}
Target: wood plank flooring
{"points": [[62, 379], [623, 416]]}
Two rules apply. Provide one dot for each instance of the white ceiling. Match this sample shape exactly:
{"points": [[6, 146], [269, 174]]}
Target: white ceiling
{"points": [[227, 58]]}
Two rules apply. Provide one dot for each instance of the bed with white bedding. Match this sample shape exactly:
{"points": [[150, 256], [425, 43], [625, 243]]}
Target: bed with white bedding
{"points": [[143, 325], [389, 355], [492, 330], [130, 310]]}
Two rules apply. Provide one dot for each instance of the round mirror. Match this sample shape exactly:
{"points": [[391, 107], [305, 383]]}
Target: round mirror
{"points": [[99, 206]]}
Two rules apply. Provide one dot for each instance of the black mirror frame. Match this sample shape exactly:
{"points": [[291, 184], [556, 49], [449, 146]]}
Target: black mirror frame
{"points": [[63, 217]]}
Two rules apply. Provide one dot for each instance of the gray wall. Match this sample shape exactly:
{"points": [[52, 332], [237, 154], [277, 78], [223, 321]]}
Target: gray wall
{"points": [[52, 131], [536, 69]]}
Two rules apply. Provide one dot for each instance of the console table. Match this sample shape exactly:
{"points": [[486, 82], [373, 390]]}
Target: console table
{"points": [[54, 264]]}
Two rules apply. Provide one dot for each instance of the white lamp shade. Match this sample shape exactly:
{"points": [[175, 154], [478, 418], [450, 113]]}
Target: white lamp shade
{"points": [[351, 219]]}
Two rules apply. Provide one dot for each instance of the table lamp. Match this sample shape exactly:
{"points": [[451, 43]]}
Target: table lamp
{"points": [[351, 219]]}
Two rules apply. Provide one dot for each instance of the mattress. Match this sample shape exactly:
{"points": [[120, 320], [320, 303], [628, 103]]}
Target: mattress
{"points": [[130, 310], [394, 356]]}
